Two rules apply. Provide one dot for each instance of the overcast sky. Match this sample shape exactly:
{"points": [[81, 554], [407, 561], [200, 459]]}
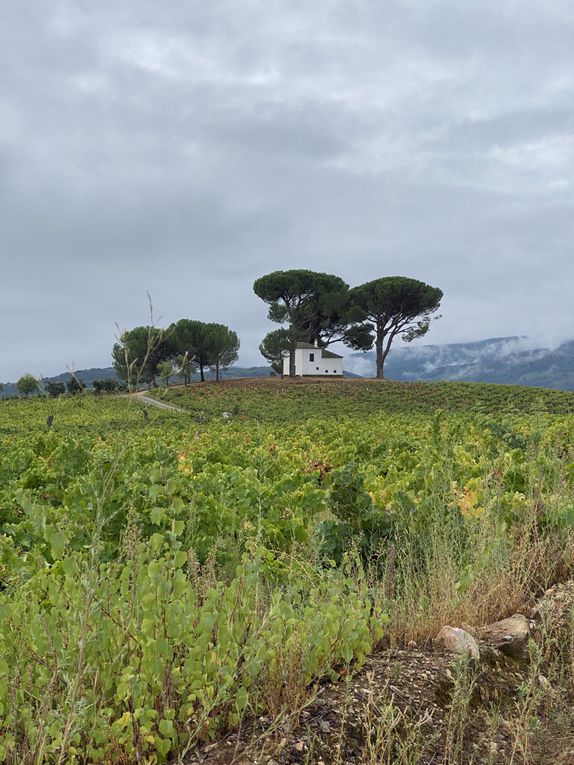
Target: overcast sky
{"points": [[186, 147]]}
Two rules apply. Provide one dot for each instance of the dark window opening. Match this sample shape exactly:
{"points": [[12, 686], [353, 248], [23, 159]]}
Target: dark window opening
{"points": [[311, 357]]}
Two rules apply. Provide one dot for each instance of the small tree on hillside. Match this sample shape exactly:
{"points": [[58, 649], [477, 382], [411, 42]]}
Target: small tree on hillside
{"points": [[107, 385], [27, 384], [165, 371], [223, 348], [396, 306], [74, 385], [204, 344], [138, 352], [55, 389], [188, 337], [273, 346], [185, 367]]}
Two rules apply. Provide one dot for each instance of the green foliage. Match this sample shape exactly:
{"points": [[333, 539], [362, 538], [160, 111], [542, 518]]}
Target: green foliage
{"points": [[140, 657], [165, 371], [206, 344], [291, 290], [273, 346], [320, 307], [137, 354], [397, 307], [223, 346], [55, 389], [74, 385], [145, 353], [314, 305], [280, 402], [185, 366], [27, 384], [357, 521], [107, 385], [188, 340], [160, 582]]}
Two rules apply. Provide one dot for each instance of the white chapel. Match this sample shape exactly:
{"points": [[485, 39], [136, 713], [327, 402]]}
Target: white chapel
{"points": [[310, 360]]}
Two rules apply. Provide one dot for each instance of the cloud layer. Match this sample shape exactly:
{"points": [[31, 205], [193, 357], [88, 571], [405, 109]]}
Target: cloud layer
{"points": [[186, 148]]}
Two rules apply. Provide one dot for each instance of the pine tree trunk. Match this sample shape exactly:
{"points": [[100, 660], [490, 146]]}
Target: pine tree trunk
{"points": [[380, 358], [292, 369]]}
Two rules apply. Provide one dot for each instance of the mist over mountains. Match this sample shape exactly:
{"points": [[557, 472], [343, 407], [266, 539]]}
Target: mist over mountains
{"points": [[510, 360]]}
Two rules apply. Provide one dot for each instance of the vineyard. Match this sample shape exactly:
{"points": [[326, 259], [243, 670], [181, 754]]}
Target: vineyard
{"points": [[165, 578]]}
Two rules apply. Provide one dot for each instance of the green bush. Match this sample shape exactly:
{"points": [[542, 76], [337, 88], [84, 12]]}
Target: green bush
{"points": [[107, 661], [55, 389], [357, 522]]}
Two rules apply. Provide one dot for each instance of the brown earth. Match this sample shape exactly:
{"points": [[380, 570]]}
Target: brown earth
{"points": [[254, 382]]}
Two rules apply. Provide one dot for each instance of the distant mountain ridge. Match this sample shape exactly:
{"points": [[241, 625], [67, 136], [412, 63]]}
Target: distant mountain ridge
{"points": [[509, 360], [505, 360]]}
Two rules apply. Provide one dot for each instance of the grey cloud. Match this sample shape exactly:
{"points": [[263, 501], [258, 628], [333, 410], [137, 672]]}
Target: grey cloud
{"points": [[185, 148]]}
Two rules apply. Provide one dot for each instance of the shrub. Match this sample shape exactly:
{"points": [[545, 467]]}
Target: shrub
{"points": [[152, 656], [75, 385], [108, 385], [55, 389], [357, 521]]}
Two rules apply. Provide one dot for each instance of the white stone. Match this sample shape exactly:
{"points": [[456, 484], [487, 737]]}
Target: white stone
{"points": [[457, 640]]}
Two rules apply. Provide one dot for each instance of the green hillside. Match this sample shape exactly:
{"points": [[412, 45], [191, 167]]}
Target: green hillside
{"points": [[169, 576], [276, 400]]}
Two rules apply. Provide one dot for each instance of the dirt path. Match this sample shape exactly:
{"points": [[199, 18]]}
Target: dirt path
{"points": [[148, 401]]}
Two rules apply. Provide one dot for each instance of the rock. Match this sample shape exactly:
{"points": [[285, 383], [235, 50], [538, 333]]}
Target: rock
{"points": [[456, 640], [509, 635]]}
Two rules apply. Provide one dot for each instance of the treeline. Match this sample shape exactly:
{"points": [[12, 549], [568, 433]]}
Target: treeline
{"points": [[28, 385], [312, 306], [321, 308], [146, 354]]}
